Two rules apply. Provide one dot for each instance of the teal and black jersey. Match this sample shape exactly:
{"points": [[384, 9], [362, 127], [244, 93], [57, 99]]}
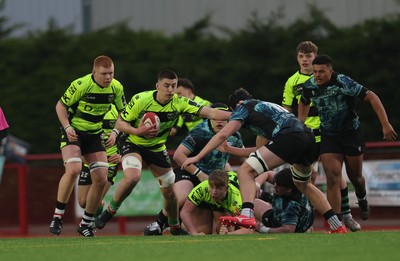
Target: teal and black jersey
{"points": [[199, 136], [168, 113], [335, 103], [87, 102], [294, 210], [266, 119]]}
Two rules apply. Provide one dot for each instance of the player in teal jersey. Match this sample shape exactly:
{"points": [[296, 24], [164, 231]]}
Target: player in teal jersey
{"points": [[187, 121], [216, 159], [290, 142], [216, 196], [111, 135], [288, 211], [81, 111], [306, 52], [342, 139], [145, 143]]}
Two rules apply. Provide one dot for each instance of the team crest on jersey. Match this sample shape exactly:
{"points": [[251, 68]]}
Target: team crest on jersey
{"points": [[171, 116], [111, 97]]}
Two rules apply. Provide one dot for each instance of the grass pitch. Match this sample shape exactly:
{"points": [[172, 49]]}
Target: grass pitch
{"points": [[371, 245]]}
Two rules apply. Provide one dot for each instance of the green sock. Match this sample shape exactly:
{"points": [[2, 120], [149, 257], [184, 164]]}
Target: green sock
{"points": [[98, 211], [113, 207], [173, 222], [345, 206]]}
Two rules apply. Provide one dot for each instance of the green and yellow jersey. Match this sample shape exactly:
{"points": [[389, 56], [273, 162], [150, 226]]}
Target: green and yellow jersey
{"points": [[87, 102], [168, 113], [291, 98], [201, 197], [189, 120]]}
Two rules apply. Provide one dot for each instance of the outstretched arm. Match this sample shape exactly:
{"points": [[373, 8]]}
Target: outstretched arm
{"points": [[215, 114], [387, 129], [218, 138]]}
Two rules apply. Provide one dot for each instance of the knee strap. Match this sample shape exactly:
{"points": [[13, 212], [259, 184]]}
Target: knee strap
{"points": [[300, 176], [73, 160], [167, 179], [257, 162], [96, 165], [131, 162]]}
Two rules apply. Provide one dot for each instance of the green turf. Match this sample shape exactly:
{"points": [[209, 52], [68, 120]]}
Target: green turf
{"points": [[286, 247]]}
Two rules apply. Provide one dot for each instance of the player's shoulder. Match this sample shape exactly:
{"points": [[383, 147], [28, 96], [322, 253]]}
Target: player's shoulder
{"points": [[201, 101], [83, 82], [116, 83], [293, 77], [144, 96]]}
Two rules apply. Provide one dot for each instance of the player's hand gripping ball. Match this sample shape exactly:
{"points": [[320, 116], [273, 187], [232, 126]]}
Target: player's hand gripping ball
{"points": [[150, 119]]}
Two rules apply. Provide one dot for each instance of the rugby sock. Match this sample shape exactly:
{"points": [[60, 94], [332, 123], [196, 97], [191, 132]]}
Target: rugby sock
{"points": [[362, 198], [60, 210], [162, 220], [173, 223], [345, 205], [247, 209], [99, 210], [113, 207], [87, 219], [332, 219]]}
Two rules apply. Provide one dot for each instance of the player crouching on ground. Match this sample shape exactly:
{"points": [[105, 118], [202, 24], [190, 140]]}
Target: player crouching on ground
{"points": [[288, 212], [219, 195]]}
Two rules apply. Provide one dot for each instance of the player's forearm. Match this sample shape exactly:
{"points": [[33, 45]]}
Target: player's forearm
{"points": [[303, 110], [62, 114], [240, 152], [378, 108], [125, 127]]}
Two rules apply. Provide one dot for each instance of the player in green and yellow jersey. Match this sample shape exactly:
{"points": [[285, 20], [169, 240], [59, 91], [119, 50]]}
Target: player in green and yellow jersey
{"points": [[219, 195], [145, 143], [81, 111], [306, 52]]}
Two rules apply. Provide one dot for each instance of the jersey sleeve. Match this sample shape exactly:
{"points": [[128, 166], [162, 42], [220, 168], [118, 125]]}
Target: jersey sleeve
{"points": [[132, 110], [198, 193], [288, 94], [189, 106], [120, 101], [351, 87], [74, 92]]}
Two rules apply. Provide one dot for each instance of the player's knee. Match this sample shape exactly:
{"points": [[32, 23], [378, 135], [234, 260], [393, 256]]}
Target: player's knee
{"points": [[256, 162], [131, 162], [167, 179]]}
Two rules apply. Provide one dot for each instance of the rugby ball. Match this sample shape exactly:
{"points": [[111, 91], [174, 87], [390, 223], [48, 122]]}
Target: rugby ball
{"points": [[150, 118]]}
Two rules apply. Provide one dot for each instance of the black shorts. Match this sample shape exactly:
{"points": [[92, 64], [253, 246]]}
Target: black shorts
{"points": [[294, 147], [85, 179], [160, 159], [181, 174], [88, 142], [350, 143]]}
